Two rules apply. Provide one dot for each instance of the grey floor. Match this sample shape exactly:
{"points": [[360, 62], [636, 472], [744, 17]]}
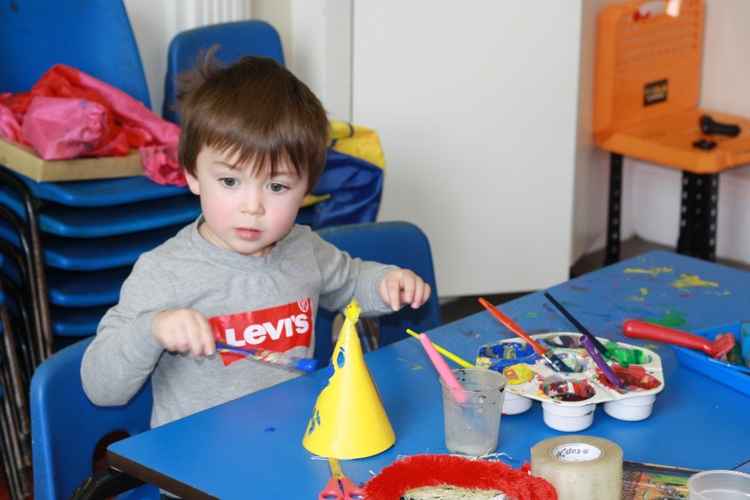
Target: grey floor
{"points": [[465, 306]]}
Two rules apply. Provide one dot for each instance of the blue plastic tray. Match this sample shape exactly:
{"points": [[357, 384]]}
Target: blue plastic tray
{"points": [[735, 376]]}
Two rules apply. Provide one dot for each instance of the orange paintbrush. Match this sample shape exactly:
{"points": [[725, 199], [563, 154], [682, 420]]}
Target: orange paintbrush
{"points": [[511, 325]]}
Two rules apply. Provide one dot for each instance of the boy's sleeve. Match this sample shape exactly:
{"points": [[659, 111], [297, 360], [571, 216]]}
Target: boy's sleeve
{"points": [[344, 278], [124, 353]]}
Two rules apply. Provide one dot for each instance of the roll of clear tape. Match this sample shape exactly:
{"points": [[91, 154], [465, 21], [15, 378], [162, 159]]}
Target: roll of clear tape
{"points": [[579, 467]]}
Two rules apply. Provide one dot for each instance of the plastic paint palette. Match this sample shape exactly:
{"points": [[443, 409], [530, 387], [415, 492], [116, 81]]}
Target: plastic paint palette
{"points": [[569, 399]]}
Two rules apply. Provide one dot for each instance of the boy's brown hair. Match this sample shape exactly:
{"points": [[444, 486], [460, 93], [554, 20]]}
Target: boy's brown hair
{"points": [[257, 109]]}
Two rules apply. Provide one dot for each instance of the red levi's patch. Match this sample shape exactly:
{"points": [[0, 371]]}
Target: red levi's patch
{"points": [[277, 329]]}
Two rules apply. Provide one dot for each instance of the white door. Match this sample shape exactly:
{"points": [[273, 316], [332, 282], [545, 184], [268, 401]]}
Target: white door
{"points": [[476, 104]]}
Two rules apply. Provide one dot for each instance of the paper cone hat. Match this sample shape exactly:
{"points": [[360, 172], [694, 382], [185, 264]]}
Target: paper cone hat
{"points": [[348, 420]]}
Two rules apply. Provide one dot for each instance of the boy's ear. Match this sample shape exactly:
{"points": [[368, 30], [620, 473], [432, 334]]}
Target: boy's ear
{"points": [[193, 184]]}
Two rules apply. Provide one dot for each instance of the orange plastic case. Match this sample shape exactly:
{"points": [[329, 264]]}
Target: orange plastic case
{"points": [[647, 88]]}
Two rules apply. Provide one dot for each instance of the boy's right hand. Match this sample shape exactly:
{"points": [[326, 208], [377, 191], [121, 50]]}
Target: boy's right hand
{"points": [[184, 331]]}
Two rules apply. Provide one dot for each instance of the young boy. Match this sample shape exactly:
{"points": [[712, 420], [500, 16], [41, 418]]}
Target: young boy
{"points": [[253, 144]]}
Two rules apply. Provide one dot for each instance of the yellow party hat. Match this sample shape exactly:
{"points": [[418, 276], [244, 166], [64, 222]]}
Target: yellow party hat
{"points": [[348, 420]]}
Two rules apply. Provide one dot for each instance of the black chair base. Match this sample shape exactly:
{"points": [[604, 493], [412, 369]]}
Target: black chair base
{"points": [[699, 209]]}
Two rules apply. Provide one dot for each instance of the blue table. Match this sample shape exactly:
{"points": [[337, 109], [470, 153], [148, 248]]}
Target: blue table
{"points": [[251, 447]]}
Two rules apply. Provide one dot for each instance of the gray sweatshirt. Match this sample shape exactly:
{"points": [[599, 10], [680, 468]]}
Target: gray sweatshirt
{"points": [[189, 272]]}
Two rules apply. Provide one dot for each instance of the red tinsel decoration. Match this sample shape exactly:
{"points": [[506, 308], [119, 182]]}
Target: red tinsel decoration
{"points": [[434, 470]]}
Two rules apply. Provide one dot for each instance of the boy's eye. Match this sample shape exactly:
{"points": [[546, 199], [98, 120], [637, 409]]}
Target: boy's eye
{"points": [[228, 181], [277, 187]]}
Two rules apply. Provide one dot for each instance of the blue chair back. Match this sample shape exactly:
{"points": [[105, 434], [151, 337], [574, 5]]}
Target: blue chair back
{"points": [[95, 37], [235, 40], [66, 426], [399, 243]]}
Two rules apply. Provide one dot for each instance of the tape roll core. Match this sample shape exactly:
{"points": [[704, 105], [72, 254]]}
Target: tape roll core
{"points": [[579, 467]]}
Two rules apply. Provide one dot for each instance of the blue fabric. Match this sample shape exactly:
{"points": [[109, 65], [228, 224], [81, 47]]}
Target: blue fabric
{"points": [[355, 187]]}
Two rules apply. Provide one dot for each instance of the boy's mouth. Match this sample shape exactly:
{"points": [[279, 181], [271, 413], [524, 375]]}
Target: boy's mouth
{"points": [[249, 234]]}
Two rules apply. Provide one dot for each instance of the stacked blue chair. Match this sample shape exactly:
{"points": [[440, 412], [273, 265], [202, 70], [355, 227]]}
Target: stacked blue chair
{"points": [[83, 236], [89, 245]]}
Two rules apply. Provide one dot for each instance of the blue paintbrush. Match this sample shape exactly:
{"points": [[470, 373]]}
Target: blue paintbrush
{"points": [[306, 365]]}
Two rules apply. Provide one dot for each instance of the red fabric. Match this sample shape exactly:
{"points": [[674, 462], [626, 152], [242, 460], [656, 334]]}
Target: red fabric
{"points": [[434, 470], [61, 128], [10, 127], [110, 123]]}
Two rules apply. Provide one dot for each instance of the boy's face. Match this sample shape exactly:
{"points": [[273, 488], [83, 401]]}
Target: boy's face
{"points": [[242, 212]]}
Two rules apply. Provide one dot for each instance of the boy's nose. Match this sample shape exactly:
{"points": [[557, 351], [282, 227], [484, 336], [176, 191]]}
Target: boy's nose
{"points": [[252, 206]]}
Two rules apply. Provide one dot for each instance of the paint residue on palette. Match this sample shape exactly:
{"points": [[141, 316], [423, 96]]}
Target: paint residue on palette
{"points": [[693, 281], [652, 271], [671, 318]]}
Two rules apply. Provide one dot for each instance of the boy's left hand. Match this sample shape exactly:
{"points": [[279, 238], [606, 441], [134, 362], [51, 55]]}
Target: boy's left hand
{"points": [[401, 286]]}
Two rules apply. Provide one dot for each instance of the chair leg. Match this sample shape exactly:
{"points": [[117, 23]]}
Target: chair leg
{"points": [[18, 387], [105, 484], [36, 256], [38, 288], [12, 474], [698, 215], [612, 252], [28, 344]]}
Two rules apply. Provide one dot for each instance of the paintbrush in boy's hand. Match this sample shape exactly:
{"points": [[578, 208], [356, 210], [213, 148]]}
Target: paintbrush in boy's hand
{"points": [[306, 365]]}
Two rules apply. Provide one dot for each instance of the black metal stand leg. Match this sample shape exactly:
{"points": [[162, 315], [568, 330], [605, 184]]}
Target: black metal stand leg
{"points": [[687, 214], [712, 215], [707, 201], [698, 215], [612, 252]]}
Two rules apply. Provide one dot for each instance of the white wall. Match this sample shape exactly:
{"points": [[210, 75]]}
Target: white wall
{"points": [[316, 35], [476, 108], [592, 164], [651, 195]]}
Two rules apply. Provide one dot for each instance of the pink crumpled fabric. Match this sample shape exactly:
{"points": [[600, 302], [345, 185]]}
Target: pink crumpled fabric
{"points": [[59, 128], [71, 114], [9, 126]]}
